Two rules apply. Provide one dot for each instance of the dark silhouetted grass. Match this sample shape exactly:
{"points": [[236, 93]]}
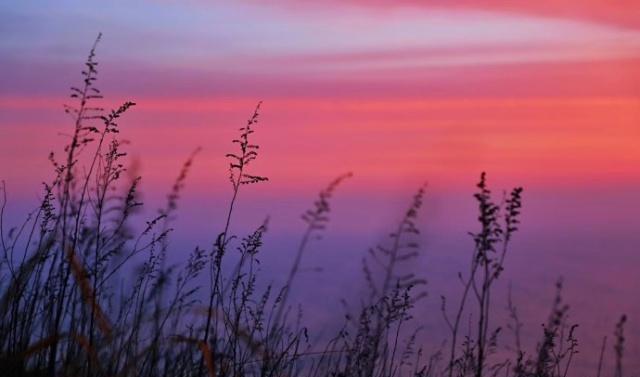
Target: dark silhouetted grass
{"points": [[67, 307]]}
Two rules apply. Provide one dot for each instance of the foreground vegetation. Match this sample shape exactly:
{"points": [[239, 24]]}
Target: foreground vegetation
{"points": [[67, 308]]}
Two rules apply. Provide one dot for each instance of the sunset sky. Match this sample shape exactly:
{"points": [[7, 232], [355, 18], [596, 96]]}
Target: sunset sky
{"points": [[543, 94]]}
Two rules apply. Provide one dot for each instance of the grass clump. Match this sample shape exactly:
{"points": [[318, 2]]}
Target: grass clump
{"points": [[67, 310]]}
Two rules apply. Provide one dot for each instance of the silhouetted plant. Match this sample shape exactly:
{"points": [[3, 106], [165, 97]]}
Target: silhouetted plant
{"points": [[316, 219], [619, 346], [497, 226], [66, 308]]}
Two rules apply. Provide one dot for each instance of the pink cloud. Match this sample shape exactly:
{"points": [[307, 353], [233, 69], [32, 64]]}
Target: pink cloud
{"points": [[621, 13]]}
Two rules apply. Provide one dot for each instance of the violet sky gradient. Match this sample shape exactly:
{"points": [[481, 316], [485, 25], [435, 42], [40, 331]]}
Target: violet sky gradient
{"points": [[545, 94]]}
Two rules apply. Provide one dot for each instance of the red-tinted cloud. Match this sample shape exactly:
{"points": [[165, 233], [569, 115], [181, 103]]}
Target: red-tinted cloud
{"points": [[622, 13]]}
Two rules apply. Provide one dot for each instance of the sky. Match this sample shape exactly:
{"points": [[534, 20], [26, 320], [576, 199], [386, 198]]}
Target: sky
{"points": [[543, 94]]}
